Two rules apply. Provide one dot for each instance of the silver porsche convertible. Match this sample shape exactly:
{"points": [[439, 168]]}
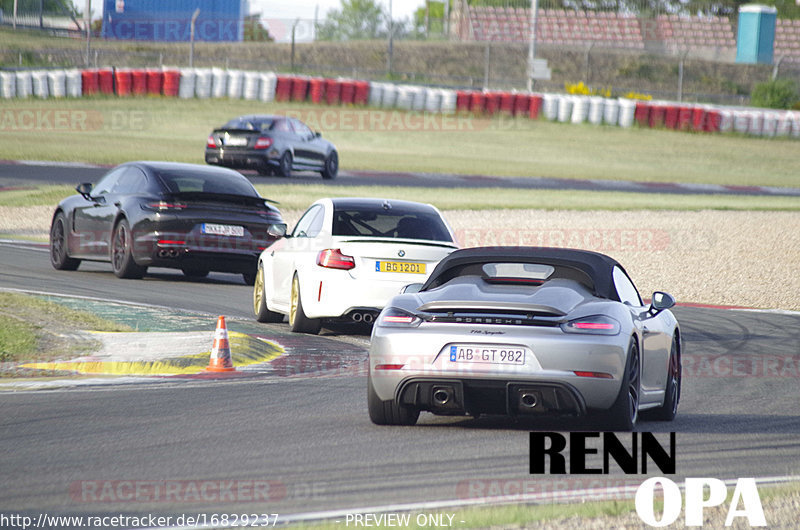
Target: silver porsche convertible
{"points": [[525, 332]]}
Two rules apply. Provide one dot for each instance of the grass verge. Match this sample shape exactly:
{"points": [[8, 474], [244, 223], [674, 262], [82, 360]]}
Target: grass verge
{"points": [[106, 129], [31, 327], [558, 515], [300, 196]]}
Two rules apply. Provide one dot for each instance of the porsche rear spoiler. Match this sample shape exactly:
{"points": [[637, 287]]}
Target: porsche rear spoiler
{"points": [[246, 200], [441, 306]]}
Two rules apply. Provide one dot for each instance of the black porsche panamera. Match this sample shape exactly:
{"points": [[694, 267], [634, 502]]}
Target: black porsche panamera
{"points": [[162, 214], [271, 144]]}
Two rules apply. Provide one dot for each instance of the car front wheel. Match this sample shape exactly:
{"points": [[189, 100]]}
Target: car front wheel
{"points": [[672, 393], [58, 246], [331, 168]]}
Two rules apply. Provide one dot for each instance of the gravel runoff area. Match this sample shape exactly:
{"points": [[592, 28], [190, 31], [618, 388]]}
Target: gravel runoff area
{"points": [[749, 258]]}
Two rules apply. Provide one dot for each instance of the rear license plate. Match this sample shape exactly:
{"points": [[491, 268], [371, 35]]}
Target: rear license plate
{"points": [[486, 354], [400, 266], [223, 230], [236, 141]]}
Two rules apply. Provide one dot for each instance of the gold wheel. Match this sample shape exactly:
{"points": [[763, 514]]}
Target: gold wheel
{"points": [[294, 302], [258, 291]]}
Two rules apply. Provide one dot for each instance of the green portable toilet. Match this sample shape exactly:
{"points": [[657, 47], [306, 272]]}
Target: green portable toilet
{"points": [[756, 35]]}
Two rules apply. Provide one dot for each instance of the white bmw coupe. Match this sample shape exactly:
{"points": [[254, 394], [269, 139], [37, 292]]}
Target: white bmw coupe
{"points": [[345, 258]]}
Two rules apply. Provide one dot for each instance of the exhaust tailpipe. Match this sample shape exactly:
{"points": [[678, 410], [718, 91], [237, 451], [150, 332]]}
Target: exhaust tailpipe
{"points": [[441, 396], [163, 253], [368, 318], [357, 317], [528, 401]]}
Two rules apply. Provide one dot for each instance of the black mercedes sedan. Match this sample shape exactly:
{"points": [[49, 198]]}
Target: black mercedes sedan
{"points": [[271, 144], [163, 214]]}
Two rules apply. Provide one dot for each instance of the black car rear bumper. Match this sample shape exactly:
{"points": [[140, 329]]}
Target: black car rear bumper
{"points": [[243, 159]]}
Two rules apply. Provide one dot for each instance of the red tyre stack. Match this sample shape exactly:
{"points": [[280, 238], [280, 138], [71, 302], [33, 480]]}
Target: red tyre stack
{"points": [[522, 104], [671, 117], [316, 89], [172, 82], [105, 80], [492, 103], [89, 82], [348, 92], [657, 115], [477, 102], [155, 82], [684, 118], [698, 119], [283, 88], [642, 113], [139, 82], [361, 96], [536, 105], [333, 91], [122, 82], [462, 101], [713, 121], [299, 88], [506, 102]]}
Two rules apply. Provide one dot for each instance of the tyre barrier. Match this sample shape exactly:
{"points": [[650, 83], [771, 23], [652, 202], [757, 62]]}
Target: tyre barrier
{"points": [[123, 81], [203, 83]]}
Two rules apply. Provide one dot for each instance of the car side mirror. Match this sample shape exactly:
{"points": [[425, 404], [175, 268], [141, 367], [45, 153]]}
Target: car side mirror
{"points": [[661, 301], [317, 134], [277, 230], [411, 288], [85, 189]]}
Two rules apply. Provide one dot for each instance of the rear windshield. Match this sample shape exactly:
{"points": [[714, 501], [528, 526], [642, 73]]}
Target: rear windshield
{"points": [[207, 182], [251, 123], [394, 223]]}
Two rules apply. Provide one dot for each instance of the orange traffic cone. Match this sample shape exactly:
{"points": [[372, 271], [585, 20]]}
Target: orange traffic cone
{"points": [[221, 351]]}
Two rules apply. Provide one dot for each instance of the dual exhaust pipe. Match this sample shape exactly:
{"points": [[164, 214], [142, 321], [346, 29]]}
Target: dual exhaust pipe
{"points": [[165, 253], [366, 318]]}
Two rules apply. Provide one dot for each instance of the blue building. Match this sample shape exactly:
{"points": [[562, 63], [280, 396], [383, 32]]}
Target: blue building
{"points": [[170, 20]]}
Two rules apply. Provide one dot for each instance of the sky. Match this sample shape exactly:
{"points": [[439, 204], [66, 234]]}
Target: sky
{"points": [[305, 8], [291, 9]]}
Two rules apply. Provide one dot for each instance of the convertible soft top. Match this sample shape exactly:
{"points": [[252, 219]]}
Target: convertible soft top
{"points": [[597, 268]]}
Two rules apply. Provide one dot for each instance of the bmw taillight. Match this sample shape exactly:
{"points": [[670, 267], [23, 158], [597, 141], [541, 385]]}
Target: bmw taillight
{"points": [[263, 143], [332, 258], [593, 325], [211, 143], [392, 317]]}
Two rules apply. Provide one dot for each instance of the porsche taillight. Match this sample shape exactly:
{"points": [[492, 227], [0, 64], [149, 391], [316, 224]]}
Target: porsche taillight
{"points": [[393, 317], [211, 143], [164, 205], [332, 258], [593, 325]]}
